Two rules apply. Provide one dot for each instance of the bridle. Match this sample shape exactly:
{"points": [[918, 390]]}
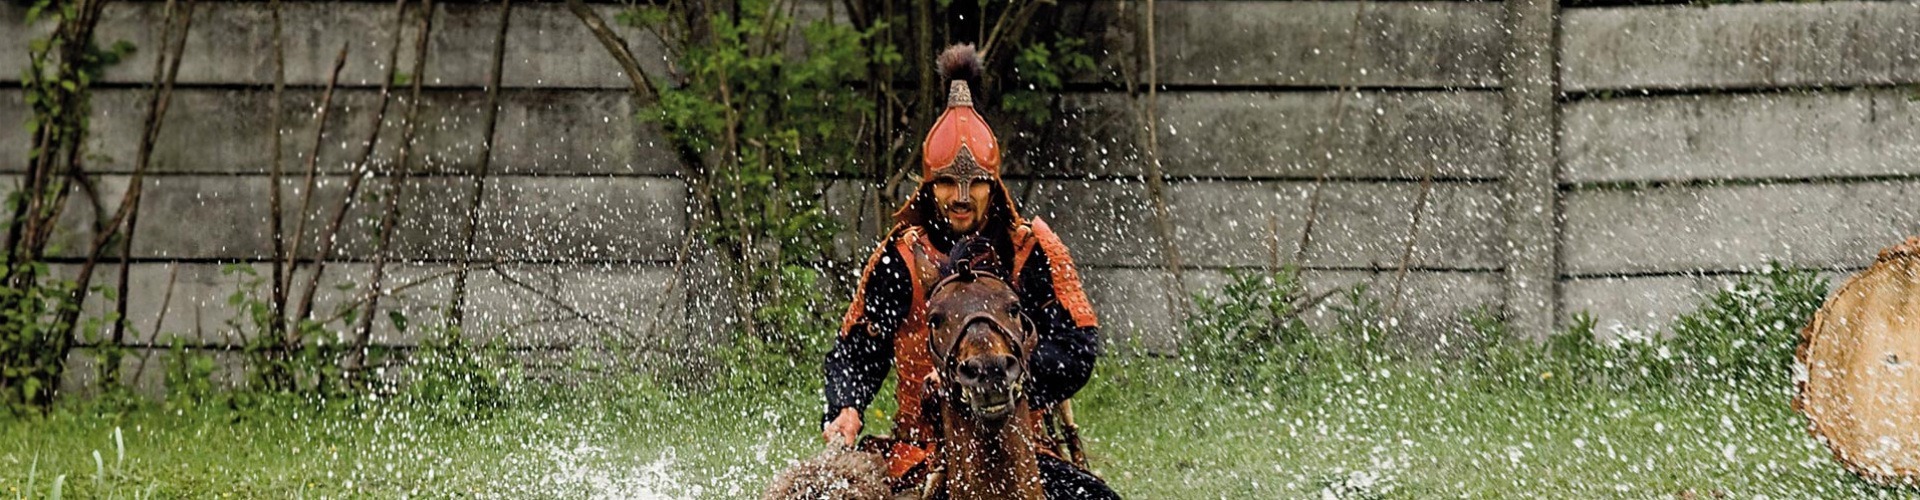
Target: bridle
{"points": [[944, 361]]}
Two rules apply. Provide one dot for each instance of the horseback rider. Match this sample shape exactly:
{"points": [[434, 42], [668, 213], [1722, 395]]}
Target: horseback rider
{"points": [[960, 194]]}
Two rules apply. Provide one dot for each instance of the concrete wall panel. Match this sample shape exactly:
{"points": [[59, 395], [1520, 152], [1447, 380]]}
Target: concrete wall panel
{"points": [[611, 218], [1743, 46], [540, 132], [863, 220], [1133, 308], [17, 140], [230, 131], [1683, 229], [1223, 224], [1359, 224], [533, 218], [232, 43], [546, 132], [548, 47], [1836, 134], [1637, 306], [15, 35], [1289, 135], [225, 217], [577, 306], [1310, 44]]}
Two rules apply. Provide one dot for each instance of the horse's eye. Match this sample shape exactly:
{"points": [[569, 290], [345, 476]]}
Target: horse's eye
{"points": [[937, 320], [1013, 309]]}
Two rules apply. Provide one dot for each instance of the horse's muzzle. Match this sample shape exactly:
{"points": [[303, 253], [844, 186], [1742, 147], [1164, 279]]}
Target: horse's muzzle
{"points": [[988, 404], [989, 383]]}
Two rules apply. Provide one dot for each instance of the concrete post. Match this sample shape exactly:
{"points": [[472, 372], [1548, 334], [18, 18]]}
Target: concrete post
{"points": [[1532, 194]]}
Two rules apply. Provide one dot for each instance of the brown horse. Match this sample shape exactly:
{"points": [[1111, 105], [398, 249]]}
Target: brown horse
{"points": [[980, 342]]}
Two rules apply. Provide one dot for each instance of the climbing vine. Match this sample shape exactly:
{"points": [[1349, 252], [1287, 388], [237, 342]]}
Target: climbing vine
{"points": [[771, 126], [38, 309]]}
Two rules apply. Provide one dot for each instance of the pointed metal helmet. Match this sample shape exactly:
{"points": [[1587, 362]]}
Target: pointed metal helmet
{"points": [[960, 145]]}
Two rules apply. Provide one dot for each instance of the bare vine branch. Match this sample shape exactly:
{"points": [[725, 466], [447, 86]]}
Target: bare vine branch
{"points": [[1320, 140], [69, 316], [616, 47], [469, 229], [308, 187], [361, 168], [1145, 106], [160, 78], [1418, 210], [396, 189], [277, 323]]}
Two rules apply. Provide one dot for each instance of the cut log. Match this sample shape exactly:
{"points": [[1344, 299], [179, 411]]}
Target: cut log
{"points": [[1858, 369]]}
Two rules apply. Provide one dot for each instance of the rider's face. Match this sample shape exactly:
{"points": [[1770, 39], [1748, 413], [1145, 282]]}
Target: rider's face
{"points": [[962, 201]]}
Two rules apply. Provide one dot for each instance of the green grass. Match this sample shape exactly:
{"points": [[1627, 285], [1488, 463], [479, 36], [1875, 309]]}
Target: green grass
{"points": [[1157, 429], [1428, 432]]}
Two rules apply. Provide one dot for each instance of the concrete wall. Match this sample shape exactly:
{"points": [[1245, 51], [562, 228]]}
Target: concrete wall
{"points": [[1700, 143], [582, 217], [1683, 146], [1630, 157]]}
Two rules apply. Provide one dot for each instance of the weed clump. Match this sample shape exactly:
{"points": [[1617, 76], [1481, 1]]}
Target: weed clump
{"points": [[1741, 335]]}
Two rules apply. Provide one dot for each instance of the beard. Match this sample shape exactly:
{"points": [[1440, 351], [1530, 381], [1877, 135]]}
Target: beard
{"points": [[962, 218]]}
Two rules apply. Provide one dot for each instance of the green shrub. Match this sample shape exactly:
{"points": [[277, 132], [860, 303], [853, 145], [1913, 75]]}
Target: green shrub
{"points": [[1255, 328], [1040, 70], [283, 365], [1358, 329], [774, 124], [1493, 354], [38, 312], [1744, 334], [189, 376], [32, 348], [1747, 332], [1252, 326], [799, 327], [453, 380], [1578, 354]]}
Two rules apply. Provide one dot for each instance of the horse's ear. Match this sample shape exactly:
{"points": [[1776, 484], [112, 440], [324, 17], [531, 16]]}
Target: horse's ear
{"points": [[957, 271], [953, 267], [975, 253]]}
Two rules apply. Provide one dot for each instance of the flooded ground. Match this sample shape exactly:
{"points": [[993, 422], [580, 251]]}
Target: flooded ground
{"points": [[1156, 429]]}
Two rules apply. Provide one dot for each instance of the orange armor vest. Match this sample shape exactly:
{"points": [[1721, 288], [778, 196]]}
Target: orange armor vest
{"points": [[915, 432]]}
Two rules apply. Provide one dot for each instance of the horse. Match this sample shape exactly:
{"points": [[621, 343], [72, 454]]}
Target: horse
{"points": [[979, 342]]}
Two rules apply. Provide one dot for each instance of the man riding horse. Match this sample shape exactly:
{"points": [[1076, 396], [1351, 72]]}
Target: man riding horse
{"points": [[960, 195]]}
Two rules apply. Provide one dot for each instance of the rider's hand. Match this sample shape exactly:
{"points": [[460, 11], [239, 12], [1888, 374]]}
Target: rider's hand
{"points": [[844, 430]]}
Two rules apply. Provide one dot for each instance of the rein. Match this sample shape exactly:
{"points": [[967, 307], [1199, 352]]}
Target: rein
{"points": [[946, 355]]}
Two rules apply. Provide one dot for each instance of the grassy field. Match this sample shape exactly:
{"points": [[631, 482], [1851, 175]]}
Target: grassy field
{"points": [[1157, 429]]}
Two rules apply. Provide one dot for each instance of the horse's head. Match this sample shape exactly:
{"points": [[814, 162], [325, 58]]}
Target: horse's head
{"points": [[979, 338]]}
